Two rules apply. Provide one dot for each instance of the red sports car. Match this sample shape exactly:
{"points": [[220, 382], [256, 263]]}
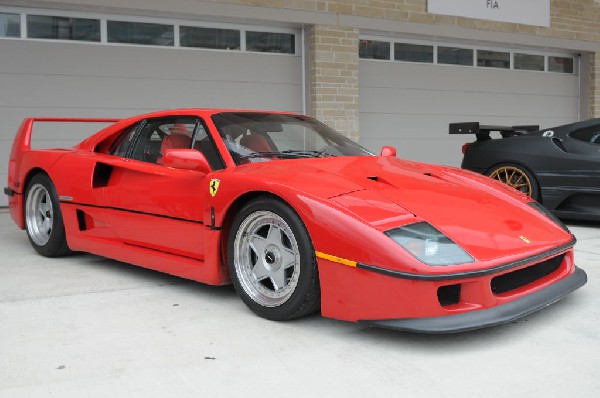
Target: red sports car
{"points": [[298, 217]]}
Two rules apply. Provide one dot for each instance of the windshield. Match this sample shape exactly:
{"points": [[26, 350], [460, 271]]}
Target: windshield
{"points": [[259, 137]]}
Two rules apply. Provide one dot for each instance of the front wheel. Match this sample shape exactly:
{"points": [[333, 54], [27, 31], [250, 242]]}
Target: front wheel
{"points": [[43, 218], [272, 261], [516, 176]]}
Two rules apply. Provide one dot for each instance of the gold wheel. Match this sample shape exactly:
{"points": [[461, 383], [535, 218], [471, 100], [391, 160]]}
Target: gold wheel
{"points": [[513, 177]]}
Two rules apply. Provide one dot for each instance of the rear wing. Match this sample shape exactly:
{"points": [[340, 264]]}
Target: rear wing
{"points": [[482, 132], [23, 136]]}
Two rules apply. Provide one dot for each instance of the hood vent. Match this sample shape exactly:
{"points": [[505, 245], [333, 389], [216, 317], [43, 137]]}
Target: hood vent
{"points": [[380, 180], [428, 174]]}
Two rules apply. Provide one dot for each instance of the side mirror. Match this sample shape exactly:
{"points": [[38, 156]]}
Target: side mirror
{"points": [[186, 159], [388, 151]]}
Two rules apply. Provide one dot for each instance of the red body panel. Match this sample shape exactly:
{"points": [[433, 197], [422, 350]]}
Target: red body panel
{"points": [[166, 219]]}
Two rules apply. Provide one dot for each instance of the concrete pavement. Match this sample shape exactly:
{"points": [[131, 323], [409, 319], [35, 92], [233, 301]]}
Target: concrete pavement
{"points": [[85, 326]]}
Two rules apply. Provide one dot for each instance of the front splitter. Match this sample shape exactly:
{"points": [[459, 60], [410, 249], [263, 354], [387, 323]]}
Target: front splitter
{"points": [[489, 317]]}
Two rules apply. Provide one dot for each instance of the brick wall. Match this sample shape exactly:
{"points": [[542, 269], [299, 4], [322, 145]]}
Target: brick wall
{"points": [[333, 71], [595, 86]]}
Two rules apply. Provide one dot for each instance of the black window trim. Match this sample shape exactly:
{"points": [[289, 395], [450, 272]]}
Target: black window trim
{"points": [[199, 121], [570, 135]]}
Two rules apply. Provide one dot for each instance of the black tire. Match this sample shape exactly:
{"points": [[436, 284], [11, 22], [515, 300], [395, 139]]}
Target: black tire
{"points": [[43, 218], [258, 227], [515, 180]]}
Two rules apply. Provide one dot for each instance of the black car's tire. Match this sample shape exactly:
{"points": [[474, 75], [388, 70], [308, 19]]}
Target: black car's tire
{"points": [[516, 176], [272, 261], [43, 218]]}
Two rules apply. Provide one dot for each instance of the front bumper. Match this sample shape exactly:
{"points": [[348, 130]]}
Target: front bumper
{"points": [[489, 317]]}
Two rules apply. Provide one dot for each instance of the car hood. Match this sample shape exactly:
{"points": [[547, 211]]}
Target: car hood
{"points": [[486, 218]]}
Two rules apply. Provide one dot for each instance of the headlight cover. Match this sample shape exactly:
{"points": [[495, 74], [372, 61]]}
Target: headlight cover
{"points": [[429, 245], [542, 209]]}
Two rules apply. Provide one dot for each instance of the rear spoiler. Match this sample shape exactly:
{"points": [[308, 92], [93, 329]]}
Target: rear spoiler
{"points": [[482, 132], [23, 136]]}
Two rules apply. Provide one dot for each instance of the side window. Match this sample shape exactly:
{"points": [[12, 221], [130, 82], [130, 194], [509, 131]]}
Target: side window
{"points": [[205, 144], [588, 134], [158, 135], [120, 146]]}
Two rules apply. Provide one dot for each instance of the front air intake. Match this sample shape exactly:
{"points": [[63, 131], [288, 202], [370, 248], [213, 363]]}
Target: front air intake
{"points": [[524, 276]]}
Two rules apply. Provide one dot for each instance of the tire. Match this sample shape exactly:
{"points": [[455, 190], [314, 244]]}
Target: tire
{"points": [[43, 218], [516, 176], [272, 261]]}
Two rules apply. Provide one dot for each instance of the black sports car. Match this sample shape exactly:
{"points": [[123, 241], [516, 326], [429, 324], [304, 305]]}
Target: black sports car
{"points": [[559, 167]]}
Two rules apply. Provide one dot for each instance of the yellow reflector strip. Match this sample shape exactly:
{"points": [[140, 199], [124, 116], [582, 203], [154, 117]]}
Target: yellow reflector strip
{"points": [[336, 259]]}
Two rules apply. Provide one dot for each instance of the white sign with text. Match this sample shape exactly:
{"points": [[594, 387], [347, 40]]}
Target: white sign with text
{"points": [[528, 12]]}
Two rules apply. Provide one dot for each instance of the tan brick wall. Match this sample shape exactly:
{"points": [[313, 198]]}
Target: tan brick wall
{"points": [[333, 70], [595, 86]]}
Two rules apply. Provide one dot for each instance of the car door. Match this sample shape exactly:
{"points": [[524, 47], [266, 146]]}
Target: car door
{"points": [[154, 206], [581, 163]]}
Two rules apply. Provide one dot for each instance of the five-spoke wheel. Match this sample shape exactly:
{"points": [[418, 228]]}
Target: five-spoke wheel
{"points": [[272, 261]]}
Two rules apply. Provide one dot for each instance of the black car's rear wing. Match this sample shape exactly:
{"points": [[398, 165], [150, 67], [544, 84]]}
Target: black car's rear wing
{"points": [[482, 132]]}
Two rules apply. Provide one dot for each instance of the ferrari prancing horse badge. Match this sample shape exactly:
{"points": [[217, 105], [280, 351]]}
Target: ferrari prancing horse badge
{"points": [[214, 186]]}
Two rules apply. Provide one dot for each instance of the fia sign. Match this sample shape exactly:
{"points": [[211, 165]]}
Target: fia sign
{"points": [[528, 12]]}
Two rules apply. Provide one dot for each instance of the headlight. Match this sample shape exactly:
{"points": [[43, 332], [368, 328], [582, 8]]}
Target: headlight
{"points": [[429, 245], [542, 209]]}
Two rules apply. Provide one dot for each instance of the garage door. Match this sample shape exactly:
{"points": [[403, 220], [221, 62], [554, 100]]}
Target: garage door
{"points": [[70, 79], [410, 104]]}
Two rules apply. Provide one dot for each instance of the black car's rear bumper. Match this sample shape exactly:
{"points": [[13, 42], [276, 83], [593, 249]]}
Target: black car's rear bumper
{"points": [[489, 317]]}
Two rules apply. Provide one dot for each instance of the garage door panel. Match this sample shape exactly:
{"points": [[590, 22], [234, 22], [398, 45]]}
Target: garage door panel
{"points": [[92, 92], [442, 151], [455, 78], [136, 62], [428, 127], [459, 102], [410, 105]]}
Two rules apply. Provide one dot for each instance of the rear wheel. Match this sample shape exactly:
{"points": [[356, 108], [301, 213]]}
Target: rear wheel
{"points": [[516, 176], [43, 218], [272, 261]]}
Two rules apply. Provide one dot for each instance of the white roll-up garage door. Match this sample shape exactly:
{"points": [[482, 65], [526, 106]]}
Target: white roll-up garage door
{"points": [[48, 78], [409, 105]]}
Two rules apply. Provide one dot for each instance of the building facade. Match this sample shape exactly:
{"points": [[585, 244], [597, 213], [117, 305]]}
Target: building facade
{"points": [[382, 72]]}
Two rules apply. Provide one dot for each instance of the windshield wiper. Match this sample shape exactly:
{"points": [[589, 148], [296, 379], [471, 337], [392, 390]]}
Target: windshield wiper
{"points": [[289, 153]]}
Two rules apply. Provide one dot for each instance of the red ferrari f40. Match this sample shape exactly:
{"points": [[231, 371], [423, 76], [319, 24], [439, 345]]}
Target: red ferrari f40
{"points": [[297, 217]]}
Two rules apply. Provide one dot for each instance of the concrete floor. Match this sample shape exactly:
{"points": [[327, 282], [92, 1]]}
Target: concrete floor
{"points": [[85, 326]]}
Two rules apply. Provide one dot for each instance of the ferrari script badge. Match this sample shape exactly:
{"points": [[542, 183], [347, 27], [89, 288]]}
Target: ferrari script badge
{"points": [[214, 186], [524, 239]]}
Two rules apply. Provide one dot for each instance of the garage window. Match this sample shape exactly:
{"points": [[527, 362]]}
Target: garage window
{"points": [[220, 39], [493, 59], [560, 64], [140, 33], [528, 62], [455, 56], [63, 28], [10, 25], [269, 42], [444, 53], [413, 52], [373, 49]]}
